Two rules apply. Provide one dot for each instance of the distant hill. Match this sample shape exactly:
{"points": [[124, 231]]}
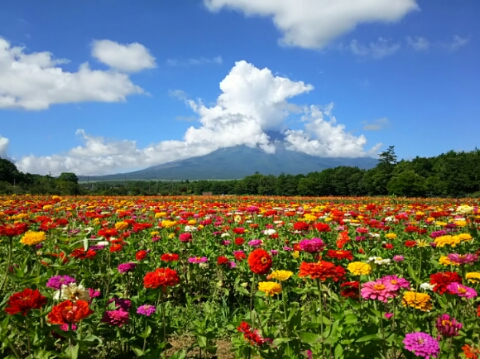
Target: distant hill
{"points": [[238, 162]]}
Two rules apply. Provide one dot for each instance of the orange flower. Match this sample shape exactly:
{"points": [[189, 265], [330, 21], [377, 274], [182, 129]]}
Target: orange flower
{"points": [[321, 270], [161, 277], [470, 352], [260, 261], [69, 312]]}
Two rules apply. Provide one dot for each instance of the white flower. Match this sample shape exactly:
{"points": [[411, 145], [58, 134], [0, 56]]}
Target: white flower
{"points": [[203, 265], [427, 286], [464, 209], [374, 235], [269, 231], [103, 243], [190, 229], [72, 292], [223, 235], [389, 219], [379, 260]]}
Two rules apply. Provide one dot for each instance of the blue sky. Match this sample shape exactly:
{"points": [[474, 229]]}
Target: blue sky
{"points": [[97, 86]]}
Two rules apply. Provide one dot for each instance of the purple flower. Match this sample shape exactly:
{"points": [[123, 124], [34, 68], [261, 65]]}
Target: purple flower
{"points": [[439, 233], [448, 327], [274, 252], [146, 309], [126, 267], [57, 281], [93, 293], [288, 249], [313, 245], [255, 243], [398, 258], [360, 238], [123, 304], [115, 317], [422, 345]]}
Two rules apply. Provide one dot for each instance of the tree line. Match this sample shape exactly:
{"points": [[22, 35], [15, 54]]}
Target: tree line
{"points": [[451, 174]]}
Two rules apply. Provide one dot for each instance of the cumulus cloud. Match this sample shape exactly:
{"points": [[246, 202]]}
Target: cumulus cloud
{"points": [[376, 125], [253, 103], [35, 81], [3, 146], [418, 43], [315, 23], [218, 60], [128, 58], [377, 50]]}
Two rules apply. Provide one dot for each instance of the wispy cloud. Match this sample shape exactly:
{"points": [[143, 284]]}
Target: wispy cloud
{"points": [[418, 43], [377, 50], [457, 43], [195, 61], [376, 125]]}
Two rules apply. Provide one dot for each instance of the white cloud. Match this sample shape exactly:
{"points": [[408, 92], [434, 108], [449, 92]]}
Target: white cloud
{"points": [[218, 60], [3, 146], [376, 125], [128, 58], [252, 102], [315, 23], [457, 43], [377, 50], [418, 43], [35, 81]]}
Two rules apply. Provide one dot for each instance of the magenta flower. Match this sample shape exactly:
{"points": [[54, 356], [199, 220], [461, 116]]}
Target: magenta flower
{"points": [[274, 252], [115, 317], [255, 243], [396, 282], [422, 345], [56, 281], [146, 309], [378, 290], [93, 293], [313, 245], [463, 258], [185, 237], [126, 267], [123, 304], [461, 290], [398, 258], [448, 327], [197, 260]]}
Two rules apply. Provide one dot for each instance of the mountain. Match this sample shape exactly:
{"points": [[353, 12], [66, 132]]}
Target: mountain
{"points": [[238, 162]]}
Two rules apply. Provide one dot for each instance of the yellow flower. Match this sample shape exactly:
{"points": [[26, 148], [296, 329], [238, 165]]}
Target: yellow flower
{"points": [[473, 277], [120, 226], [421, 243], [154, 233], [168, 224], [447, 262], [270, 288], [309, 217], [281, 275], [464, 209], [416, 300], [47, 207], [160, 214], [359, 268], [452, 241], [237, 218], [391, 236], [171, 235], [32, 238], [192, 222], [464, 237], [296, 254], [461, 223]]}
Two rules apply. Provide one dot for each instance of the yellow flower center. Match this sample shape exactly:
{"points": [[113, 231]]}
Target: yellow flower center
{"points": [[462, 290], [379, 287], [264, 260], [446, 322]]}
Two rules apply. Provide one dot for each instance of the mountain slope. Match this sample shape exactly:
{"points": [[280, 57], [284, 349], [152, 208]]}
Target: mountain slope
{"points": [[238, 162]]}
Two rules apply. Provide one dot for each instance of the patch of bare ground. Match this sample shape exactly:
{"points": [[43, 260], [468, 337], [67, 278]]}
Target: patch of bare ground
{"points": [[224, 348]]}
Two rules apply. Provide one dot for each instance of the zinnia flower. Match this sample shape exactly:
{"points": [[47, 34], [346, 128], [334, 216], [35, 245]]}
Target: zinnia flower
{"points": [[441, 281], [359, 268], [340, 254], [417, 300], [24, 301], [422, 345], [169, 257], [72, 292], [461, 290], [32, 238], [448, 327], [396, 282], [313, 245], [473, 277], [462, 258], [161, 277], [69, 312], [140, 255], [270, 288], [378, 290], [56, 281], [115, 317], [260, 261], [185, 237], [146, 309], [471, 352], [350, 290], [321, 270], [197, 260], [126, 267], [281, 275]]}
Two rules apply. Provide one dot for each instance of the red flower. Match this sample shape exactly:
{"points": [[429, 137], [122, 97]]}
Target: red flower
{"points": [[140, 255], [13, 230], [116, 247], [260, 261], [22, 302], [340, 254], [239, 230], [239, 241], [350, 290], [252, 336], [239, 256], [185, 237], [388, 246], [80, 253], [322, 227], [222, 260], [342, 239], [69, 312], [161, 277], [301, 226], [478, 311], [471, 352], [442, 280], [169, 257], [321, 270], [410, 244]]}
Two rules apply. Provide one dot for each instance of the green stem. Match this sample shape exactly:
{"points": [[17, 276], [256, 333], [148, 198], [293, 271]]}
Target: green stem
{"points": [[9, 258], [321, 315]]}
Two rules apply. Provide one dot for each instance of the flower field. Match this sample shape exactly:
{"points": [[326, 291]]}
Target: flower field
{"points": [[261, 277]]}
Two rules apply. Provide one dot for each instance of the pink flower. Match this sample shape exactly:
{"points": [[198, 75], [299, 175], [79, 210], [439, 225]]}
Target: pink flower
{"points": [[463, 258], [396, 282], [461, 290], [388, 315], [115, 317], [313, 245], [378, 290], [185, 237], [448, 327], [197, 259]]}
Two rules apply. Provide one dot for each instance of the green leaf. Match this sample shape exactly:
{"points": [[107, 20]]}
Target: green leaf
{"points": [[202, 341], [350, 319], [309, 338], [72, 351], [369, 337], [412, 274], [338, 352], [146, 333], [138, 352], [279, 341]]}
